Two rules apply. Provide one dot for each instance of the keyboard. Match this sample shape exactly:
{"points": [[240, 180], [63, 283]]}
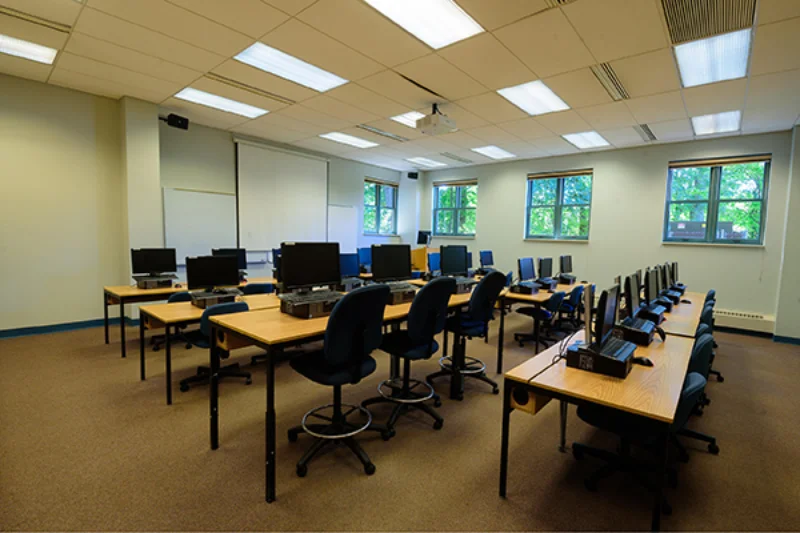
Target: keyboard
{"points": [[656, 309], [617, 348], [637, 323], [461, 280], [310, 297], [400, 286]]}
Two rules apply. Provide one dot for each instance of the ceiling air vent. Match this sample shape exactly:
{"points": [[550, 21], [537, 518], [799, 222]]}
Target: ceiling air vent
{"points": [[454, 157], [689, 20], [607, 77], [65, 28], [376, 131], [645, 132], [249, 88]]}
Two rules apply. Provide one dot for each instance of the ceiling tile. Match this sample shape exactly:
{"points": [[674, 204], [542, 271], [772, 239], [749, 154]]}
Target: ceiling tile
{"points": [[251, 17], [302, 41], [176, 22], [393, 86], [526, 129], [441, 77], [486, 59], [775, 10], [464, 119], [240, 95], [546, 43], [425, 146], [461, 139], [263, 80], [118, 31], [319, 144], [475, 157], [775, 47], [356, 24], [293, 7], [206, 116], [622, 136], [563, 122], [613, 29], [492, 107], [493, 14], [608, 116], [773, 102], [277, 120], [35, 33], [579, 88], [102, 87], [372, 137], [338, 109], [493, 135], [524, 150], [673, 130], [657, 108], [390, 126], [363, 98], [83, 45], [554, 145], [269, 131], [646, 74], [16, 66], [312, 116], [715, 97], [61, 11]]}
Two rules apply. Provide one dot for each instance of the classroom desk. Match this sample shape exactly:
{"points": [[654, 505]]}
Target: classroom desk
{"points": [[169, 316], [542, 296], [274, 331], [684, 318], [368, 275], [129, 294], [649, 392]]}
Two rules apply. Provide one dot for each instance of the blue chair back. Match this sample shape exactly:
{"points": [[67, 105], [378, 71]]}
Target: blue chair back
{"points": [[486, 258], [509, 279], [575, 296], [484, 296], [355, 328], [258, 288], [348, 265], [220, 309], [276, 253], [365, 256], [700, 361], [182, 296], [711, 296], [693, 387], [428, 312], [707, 316], [555, 301], [434, 262]]}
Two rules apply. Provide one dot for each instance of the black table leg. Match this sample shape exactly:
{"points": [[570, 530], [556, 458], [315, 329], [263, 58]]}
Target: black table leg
{"points": [[457, 361], [105, 314], [122, 325], [168, 365], [270, 430], [141, 348], [504, 439], [213, 355], [662, 475], [563, 443], [500, 335]]}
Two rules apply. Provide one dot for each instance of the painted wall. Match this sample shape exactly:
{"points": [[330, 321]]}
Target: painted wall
{"points": [[61, 203], [788, 320], [629, 191]]}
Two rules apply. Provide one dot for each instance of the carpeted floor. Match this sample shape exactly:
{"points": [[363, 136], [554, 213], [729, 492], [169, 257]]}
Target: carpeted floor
{"points": [[85, 445]]}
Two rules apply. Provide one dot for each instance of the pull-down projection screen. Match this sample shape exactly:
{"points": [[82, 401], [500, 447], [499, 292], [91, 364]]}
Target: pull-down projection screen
{"points": [[283, 196]]}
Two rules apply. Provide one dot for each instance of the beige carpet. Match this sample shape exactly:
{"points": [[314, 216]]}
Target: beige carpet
{"points": [[85, 445]]}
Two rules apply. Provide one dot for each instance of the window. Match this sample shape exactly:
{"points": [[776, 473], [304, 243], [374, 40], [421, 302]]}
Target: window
{"points": [[559, 205], [717, 201], [455, 207], [380, 208]]}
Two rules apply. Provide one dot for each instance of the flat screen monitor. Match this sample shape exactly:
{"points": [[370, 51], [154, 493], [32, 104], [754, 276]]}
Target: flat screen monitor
{"points": [[454, 260], [424, 237], [391, 262], [153, 260], [632, 300], [545, 267], [640, 278], [469, 259], [364, 256], [606, 315], [208, 271], [487, 259], [659, 274], [240, 253], [650, 286], [526, 270], [667, 275], [309, 264], [675, 277], [566, 264], [348, 265]]}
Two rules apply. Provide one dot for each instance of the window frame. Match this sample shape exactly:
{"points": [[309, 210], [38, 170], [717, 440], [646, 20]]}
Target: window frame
{"points": [[714, 201], [456, 211], [558, 206], [379, 207]]}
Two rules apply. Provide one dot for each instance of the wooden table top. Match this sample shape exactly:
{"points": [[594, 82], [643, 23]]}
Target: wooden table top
{"points": [[128, 291], [652, 392], [271, 326], [684, 318], [541, 296], [180, 312]]}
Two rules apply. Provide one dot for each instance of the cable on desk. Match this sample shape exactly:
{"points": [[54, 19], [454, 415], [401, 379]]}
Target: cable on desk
{"points": [[556, 358]]}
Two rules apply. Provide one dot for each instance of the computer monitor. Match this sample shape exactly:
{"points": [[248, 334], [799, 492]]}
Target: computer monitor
{"points": [[364, 256], [486, 258], [675, 277], [606, 315], [239, 253], [618, 280], [153, 260], [454, 260], [348, 265], [469, 260], [667, 275], [659, 273], [632, 299], [650, 286], [526, 270], [641, 279], [391, 262], [545, 267], [566, 264], [424, 238], [309, 264], [210, 271]]}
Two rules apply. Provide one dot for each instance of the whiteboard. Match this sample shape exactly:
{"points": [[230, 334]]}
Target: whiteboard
{"points": [[195, 222], [283, 196], [343, 227]]}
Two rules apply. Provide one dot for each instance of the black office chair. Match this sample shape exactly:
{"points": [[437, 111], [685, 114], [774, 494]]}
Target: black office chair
{"points": [[469, 324], [258, 288], [201, 339], [700, 363], [707, 326], [543, 316], [426, 319], [158, 340], [353, 332]]}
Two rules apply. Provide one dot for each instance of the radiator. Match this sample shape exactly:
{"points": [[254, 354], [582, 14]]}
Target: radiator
{"points": [[730, 318]]}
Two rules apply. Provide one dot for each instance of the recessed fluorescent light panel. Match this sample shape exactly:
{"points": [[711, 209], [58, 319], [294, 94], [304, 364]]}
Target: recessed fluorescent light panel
{"points": [[535, 98], [221, 103], [409, 119], [274, 61], [717, 123], [437, 23], [425, 162], [495, 152], [27, 50], [586, 139], [723, 57], [343, 138]]}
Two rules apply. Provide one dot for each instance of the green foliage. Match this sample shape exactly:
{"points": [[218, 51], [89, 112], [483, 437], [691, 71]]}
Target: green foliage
{"points": [[444, 222], [578, 190], [387, 221], [370, 224], [575, 221], [541, 222], [386, 196], [560, 207], [370, 193], [691, 183], [446, 196], [466, 221], [744, 220], [689, 212], [456, 210], [469, 196], [743, 181], [543, 192]]}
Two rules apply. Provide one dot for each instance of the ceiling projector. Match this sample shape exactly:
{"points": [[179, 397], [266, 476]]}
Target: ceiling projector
{"points": [[436, 123]]}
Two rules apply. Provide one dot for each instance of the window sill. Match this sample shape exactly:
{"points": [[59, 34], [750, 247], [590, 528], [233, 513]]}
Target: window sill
{"points": [[713, 244], [573, 241], [464, 237]]}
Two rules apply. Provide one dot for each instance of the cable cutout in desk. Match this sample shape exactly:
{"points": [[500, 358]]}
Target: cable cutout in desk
{"points": [[560, 355]]}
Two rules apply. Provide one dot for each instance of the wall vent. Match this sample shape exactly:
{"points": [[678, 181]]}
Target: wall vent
{"points": [[738, 314], [744, 320], [64, 28], [249, 88], [455, 157], [689, 20], [376, 131], [607, 77], [645, 132]]}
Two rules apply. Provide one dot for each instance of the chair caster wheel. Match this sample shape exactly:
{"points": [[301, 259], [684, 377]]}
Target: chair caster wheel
{"points": [[369, 469], [590, 485], [188, 346], [713, 448], [156, 348], [292, 436], [184, 388], [302, 470], [460, 398], [248, 381], [495, 390], [439, 424], [388, 434], [720, 379]]}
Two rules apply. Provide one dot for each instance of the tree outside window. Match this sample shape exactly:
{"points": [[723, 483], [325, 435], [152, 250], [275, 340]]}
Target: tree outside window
{"points": [[380, 208], [455, 209], [559, 207]]}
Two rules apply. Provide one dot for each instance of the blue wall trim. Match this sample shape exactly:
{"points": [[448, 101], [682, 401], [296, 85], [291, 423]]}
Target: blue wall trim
{"points": [[786, 340], [68, 326]]}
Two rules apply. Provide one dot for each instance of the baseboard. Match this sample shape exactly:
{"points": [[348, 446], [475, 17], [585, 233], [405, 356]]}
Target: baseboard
{"points": [[739, 331], [67, 326], [786, 340]]}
